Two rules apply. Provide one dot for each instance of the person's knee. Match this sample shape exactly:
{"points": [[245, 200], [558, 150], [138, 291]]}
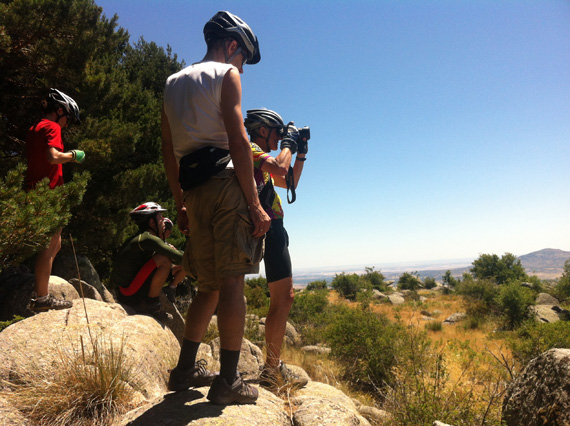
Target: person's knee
{"points": [[162, 261], [282, 293]]}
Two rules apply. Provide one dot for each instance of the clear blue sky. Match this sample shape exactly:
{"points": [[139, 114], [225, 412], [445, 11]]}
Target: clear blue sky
{"points": [[439, 129]]}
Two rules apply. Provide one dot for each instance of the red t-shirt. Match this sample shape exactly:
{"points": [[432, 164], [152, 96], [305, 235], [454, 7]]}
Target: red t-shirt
{"points": [[41, 137]]}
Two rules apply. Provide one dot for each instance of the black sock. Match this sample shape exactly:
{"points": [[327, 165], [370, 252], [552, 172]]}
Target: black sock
{"points": [[152, 300], [188, 353], [228, 365]]}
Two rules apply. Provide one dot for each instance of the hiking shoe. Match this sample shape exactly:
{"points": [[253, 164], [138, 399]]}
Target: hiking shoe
{"points": [[170, 293], [49, 303], [153, 309], [282, 376], [195, 377], [238, 393]]}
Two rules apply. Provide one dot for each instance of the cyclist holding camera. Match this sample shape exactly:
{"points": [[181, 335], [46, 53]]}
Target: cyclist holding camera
{"points": [[266, 128]]}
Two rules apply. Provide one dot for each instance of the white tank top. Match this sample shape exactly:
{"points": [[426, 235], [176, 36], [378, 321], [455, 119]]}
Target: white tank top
{"points": [[192, 99]]}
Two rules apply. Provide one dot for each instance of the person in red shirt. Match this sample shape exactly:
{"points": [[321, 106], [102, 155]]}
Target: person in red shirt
{"points": [[45, 156]]}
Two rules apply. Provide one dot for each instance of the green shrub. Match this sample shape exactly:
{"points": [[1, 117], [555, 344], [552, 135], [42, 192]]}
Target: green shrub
{"points": [[375, 278], [501, 270], [4, 324], [257, 301], [317, 285], [30, 219], [449, 281], [562, 289], [479, 296], [514, 303], [365, 343], [309, 313], [532, 339], [434, 326], [429, 283], [349, 285], [408, 281]]}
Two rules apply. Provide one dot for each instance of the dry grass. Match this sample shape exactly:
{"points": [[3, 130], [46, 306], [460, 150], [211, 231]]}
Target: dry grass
{"points": [[86, 387], [460, 355]]}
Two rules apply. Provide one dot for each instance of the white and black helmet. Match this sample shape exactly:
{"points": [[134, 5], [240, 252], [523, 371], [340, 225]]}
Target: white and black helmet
{"points": [[225, 24], [261, 117], [67, 103]]}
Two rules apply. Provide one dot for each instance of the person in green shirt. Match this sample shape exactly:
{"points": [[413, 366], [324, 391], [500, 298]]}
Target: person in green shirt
{"points": [[143, 263]]}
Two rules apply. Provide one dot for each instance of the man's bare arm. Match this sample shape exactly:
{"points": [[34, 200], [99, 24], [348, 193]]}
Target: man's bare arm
{"points": [[240, 149], [171, 168]]}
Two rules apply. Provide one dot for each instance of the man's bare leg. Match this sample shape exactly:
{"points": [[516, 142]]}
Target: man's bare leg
{"points": [[44, 262], [282, 296]]}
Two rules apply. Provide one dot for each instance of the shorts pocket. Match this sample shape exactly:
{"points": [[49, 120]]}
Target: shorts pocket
{"points": [[249, 250]]}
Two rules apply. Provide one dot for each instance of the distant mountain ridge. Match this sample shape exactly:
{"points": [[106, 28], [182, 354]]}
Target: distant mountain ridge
{"points": [[546, 264]]}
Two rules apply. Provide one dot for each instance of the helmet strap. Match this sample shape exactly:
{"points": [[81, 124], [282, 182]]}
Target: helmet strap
{"points": [[231, 58], [267, 147], [156, 230]]}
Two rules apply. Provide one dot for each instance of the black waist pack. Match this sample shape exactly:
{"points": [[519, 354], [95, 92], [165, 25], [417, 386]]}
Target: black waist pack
{"points": [[200, 165]]}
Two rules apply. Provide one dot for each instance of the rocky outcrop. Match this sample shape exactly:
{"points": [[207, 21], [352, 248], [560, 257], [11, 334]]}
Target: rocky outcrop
{"points": [[546, 299], [378, 295], [545, 313], [455, 318], [397, 298], [546, 309], [319, 404], [37, 343], [192, 408], [315, 349], [541, 394], [66, 266]]}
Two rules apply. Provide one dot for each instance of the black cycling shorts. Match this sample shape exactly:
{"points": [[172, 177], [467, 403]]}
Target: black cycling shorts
{"points": [[276, 258]]}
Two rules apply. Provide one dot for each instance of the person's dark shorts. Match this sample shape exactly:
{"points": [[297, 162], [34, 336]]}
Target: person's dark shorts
{"points": [[138, 289], [277, 259]]}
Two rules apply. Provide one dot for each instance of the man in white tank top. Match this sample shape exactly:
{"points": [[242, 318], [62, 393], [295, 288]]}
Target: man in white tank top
{"points": [[222, 216]]}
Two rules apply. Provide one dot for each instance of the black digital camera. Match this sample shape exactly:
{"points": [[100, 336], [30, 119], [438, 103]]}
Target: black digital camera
{"points": [[304, 133]]}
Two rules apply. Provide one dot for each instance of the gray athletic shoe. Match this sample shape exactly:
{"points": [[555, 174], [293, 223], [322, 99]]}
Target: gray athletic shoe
{"points": [[170, 293], [238, 393], [153, 309], [280, 377], [195, 377], [49, 303]]}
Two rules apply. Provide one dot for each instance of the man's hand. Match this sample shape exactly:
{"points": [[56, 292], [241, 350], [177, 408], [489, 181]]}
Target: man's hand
{"points": [[261, 221], [78, 155], [182, 221], [302, 146], [290, 139]]}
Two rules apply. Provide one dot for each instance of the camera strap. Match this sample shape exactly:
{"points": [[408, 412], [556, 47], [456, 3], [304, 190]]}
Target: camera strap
{"points": [[290, 180]]}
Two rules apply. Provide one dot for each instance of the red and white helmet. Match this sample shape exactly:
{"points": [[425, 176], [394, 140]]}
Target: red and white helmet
{"points": [[141, 214]]}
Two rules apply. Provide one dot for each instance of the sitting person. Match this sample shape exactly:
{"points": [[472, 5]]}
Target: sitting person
{"points": [[177, 273], [144, 262]]}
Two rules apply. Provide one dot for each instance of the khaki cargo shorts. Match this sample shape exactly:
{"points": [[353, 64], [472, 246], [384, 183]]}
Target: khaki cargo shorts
{"points": [[220, 243]]}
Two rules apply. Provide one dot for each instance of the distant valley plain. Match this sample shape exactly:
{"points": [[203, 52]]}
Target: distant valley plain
{"points": [[546, 264]]}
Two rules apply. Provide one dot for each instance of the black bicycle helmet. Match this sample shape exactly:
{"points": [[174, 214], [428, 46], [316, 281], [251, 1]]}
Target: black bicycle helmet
{"points": [[141, 214], [67, 103], [256, 118], [226, 24]]}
